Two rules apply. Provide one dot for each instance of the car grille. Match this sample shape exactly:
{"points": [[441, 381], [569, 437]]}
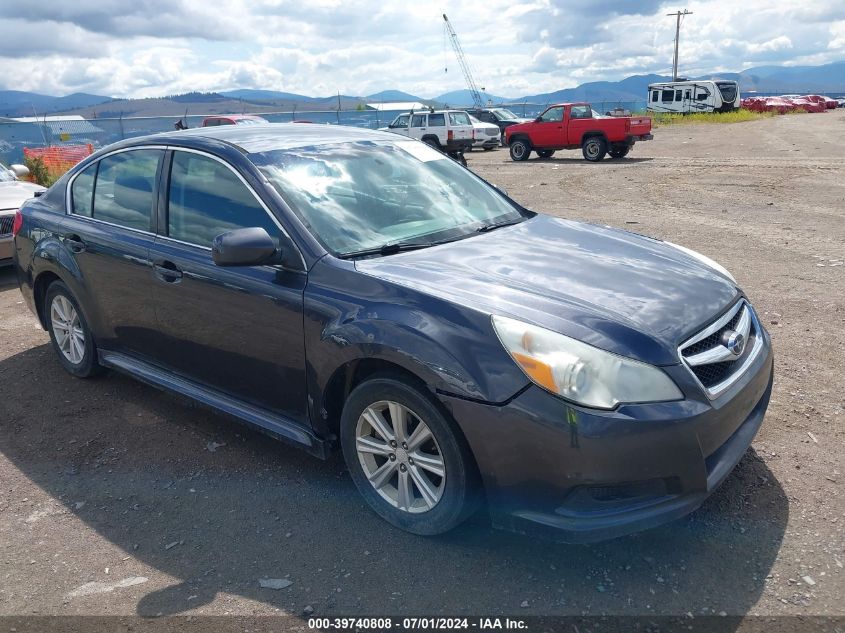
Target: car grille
{"points": [[711, 355], [6, 222], [493, 131]]}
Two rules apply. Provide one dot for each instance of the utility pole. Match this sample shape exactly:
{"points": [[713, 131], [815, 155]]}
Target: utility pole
{"points": [[678, 15]]}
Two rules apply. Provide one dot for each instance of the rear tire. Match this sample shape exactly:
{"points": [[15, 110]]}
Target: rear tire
{"points": [[594, 149], [545, 153], [619, 152], [70, 335], [433, 142], [520, 150], [395, 462]]}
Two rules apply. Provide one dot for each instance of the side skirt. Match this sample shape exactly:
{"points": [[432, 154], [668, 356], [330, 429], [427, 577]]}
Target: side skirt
{"points": [[272, 424]]}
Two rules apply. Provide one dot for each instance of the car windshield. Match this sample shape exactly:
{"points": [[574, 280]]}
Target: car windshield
{"points": [[5, 174], [367, 195], [502, 114]]}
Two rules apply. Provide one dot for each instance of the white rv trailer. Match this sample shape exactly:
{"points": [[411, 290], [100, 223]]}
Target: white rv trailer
{"points": [[693, 96]]}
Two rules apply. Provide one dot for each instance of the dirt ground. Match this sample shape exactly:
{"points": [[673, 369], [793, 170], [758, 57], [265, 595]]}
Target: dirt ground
{"points": [[119, 499]]}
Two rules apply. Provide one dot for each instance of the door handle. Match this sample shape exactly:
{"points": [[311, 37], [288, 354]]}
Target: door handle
{"points": [[74, 242], [167, 271]]}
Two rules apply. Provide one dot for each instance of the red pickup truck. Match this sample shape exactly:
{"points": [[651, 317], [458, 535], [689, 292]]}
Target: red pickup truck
{"points": [[574, 125]]}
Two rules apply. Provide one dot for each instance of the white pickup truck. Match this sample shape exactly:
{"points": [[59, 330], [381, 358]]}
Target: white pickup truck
{"points": [[450, 131]]}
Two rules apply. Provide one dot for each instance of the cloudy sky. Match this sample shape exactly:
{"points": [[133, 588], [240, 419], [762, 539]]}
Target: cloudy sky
{"points": [[141, 48]]}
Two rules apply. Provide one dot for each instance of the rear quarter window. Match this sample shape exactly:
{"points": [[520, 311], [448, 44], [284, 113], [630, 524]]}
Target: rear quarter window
{"points": [[82, 192], [459, 118]]}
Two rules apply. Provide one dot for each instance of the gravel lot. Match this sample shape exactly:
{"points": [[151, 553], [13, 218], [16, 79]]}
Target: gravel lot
{"points": [[119, 499]]}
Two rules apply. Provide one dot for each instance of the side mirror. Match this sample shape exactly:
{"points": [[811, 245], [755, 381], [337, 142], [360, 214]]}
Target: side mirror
{"points": [[245, 247], [20, 171], [539, 119]]}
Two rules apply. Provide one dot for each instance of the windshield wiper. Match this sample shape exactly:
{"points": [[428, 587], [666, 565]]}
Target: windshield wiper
{"points": [[388, 249], [497, 225]]}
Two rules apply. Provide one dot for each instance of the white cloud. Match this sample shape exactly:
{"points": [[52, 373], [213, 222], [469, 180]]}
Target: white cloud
{"points": [[156, 47]]}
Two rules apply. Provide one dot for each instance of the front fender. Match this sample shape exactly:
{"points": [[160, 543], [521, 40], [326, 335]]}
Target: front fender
{"points": [[352, 316]]}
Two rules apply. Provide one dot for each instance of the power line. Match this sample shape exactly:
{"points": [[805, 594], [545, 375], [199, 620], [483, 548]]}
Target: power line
{"points": [[678, 15]]}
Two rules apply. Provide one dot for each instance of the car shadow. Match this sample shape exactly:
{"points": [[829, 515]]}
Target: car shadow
{"points": [[8, 278], [578, 160], [217, 506]]}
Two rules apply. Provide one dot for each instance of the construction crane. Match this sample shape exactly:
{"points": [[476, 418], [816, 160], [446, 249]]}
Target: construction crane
{"points": [[459, 53]]}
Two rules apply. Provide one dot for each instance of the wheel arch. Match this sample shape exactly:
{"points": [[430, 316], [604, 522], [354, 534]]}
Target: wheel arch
{"points": [[352, 373], [593, 134], [51, 262], [356, 372], [521, 136], [431, 137]]}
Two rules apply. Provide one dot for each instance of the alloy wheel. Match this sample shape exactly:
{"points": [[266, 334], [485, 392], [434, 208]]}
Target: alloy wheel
{"points": [[400, 457], [67, 328]]}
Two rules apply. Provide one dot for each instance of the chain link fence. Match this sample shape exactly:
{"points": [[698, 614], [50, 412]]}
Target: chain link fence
{"points": [[56, 131]]}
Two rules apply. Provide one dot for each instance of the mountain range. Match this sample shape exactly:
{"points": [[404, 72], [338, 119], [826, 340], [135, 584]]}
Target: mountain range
{"points": [[828, 78]]}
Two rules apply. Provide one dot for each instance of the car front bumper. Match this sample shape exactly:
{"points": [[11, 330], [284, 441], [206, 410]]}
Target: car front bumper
{"points": [[579, 475], [486, 141]]}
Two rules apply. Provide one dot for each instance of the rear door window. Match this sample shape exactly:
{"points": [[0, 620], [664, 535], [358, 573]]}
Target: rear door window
{"points": [[124, 188], [207, 198], [418, 120], [436, 120]]}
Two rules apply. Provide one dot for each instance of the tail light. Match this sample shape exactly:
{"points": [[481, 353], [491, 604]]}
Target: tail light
{"points": [[450, 135], [17, 224]]}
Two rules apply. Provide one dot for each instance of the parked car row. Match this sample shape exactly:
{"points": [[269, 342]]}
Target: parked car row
{"points": [[791, 103], [13, 192]]}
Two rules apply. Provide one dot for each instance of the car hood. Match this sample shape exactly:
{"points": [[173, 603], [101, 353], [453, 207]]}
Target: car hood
{"points": [[13, 194], [619, 291]]}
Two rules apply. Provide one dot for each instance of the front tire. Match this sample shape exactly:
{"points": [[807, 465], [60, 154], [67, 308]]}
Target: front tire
{"points": [[594, 149], [406, 459], [520, 150], [70, 335]]}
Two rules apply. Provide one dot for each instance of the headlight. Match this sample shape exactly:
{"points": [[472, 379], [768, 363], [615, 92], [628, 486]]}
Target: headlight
{"points": [[579, 372], [703, 259]]}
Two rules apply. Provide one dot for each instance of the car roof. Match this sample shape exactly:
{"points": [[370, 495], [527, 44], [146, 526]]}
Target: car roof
{"points": [[269, 136]]}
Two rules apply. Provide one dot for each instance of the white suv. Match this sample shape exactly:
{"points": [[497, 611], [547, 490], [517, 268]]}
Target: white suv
{"points": [[450, 131]]}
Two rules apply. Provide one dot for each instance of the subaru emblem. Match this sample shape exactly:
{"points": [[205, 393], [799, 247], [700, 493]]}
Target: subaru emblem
{"points": [[734, 341]]}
